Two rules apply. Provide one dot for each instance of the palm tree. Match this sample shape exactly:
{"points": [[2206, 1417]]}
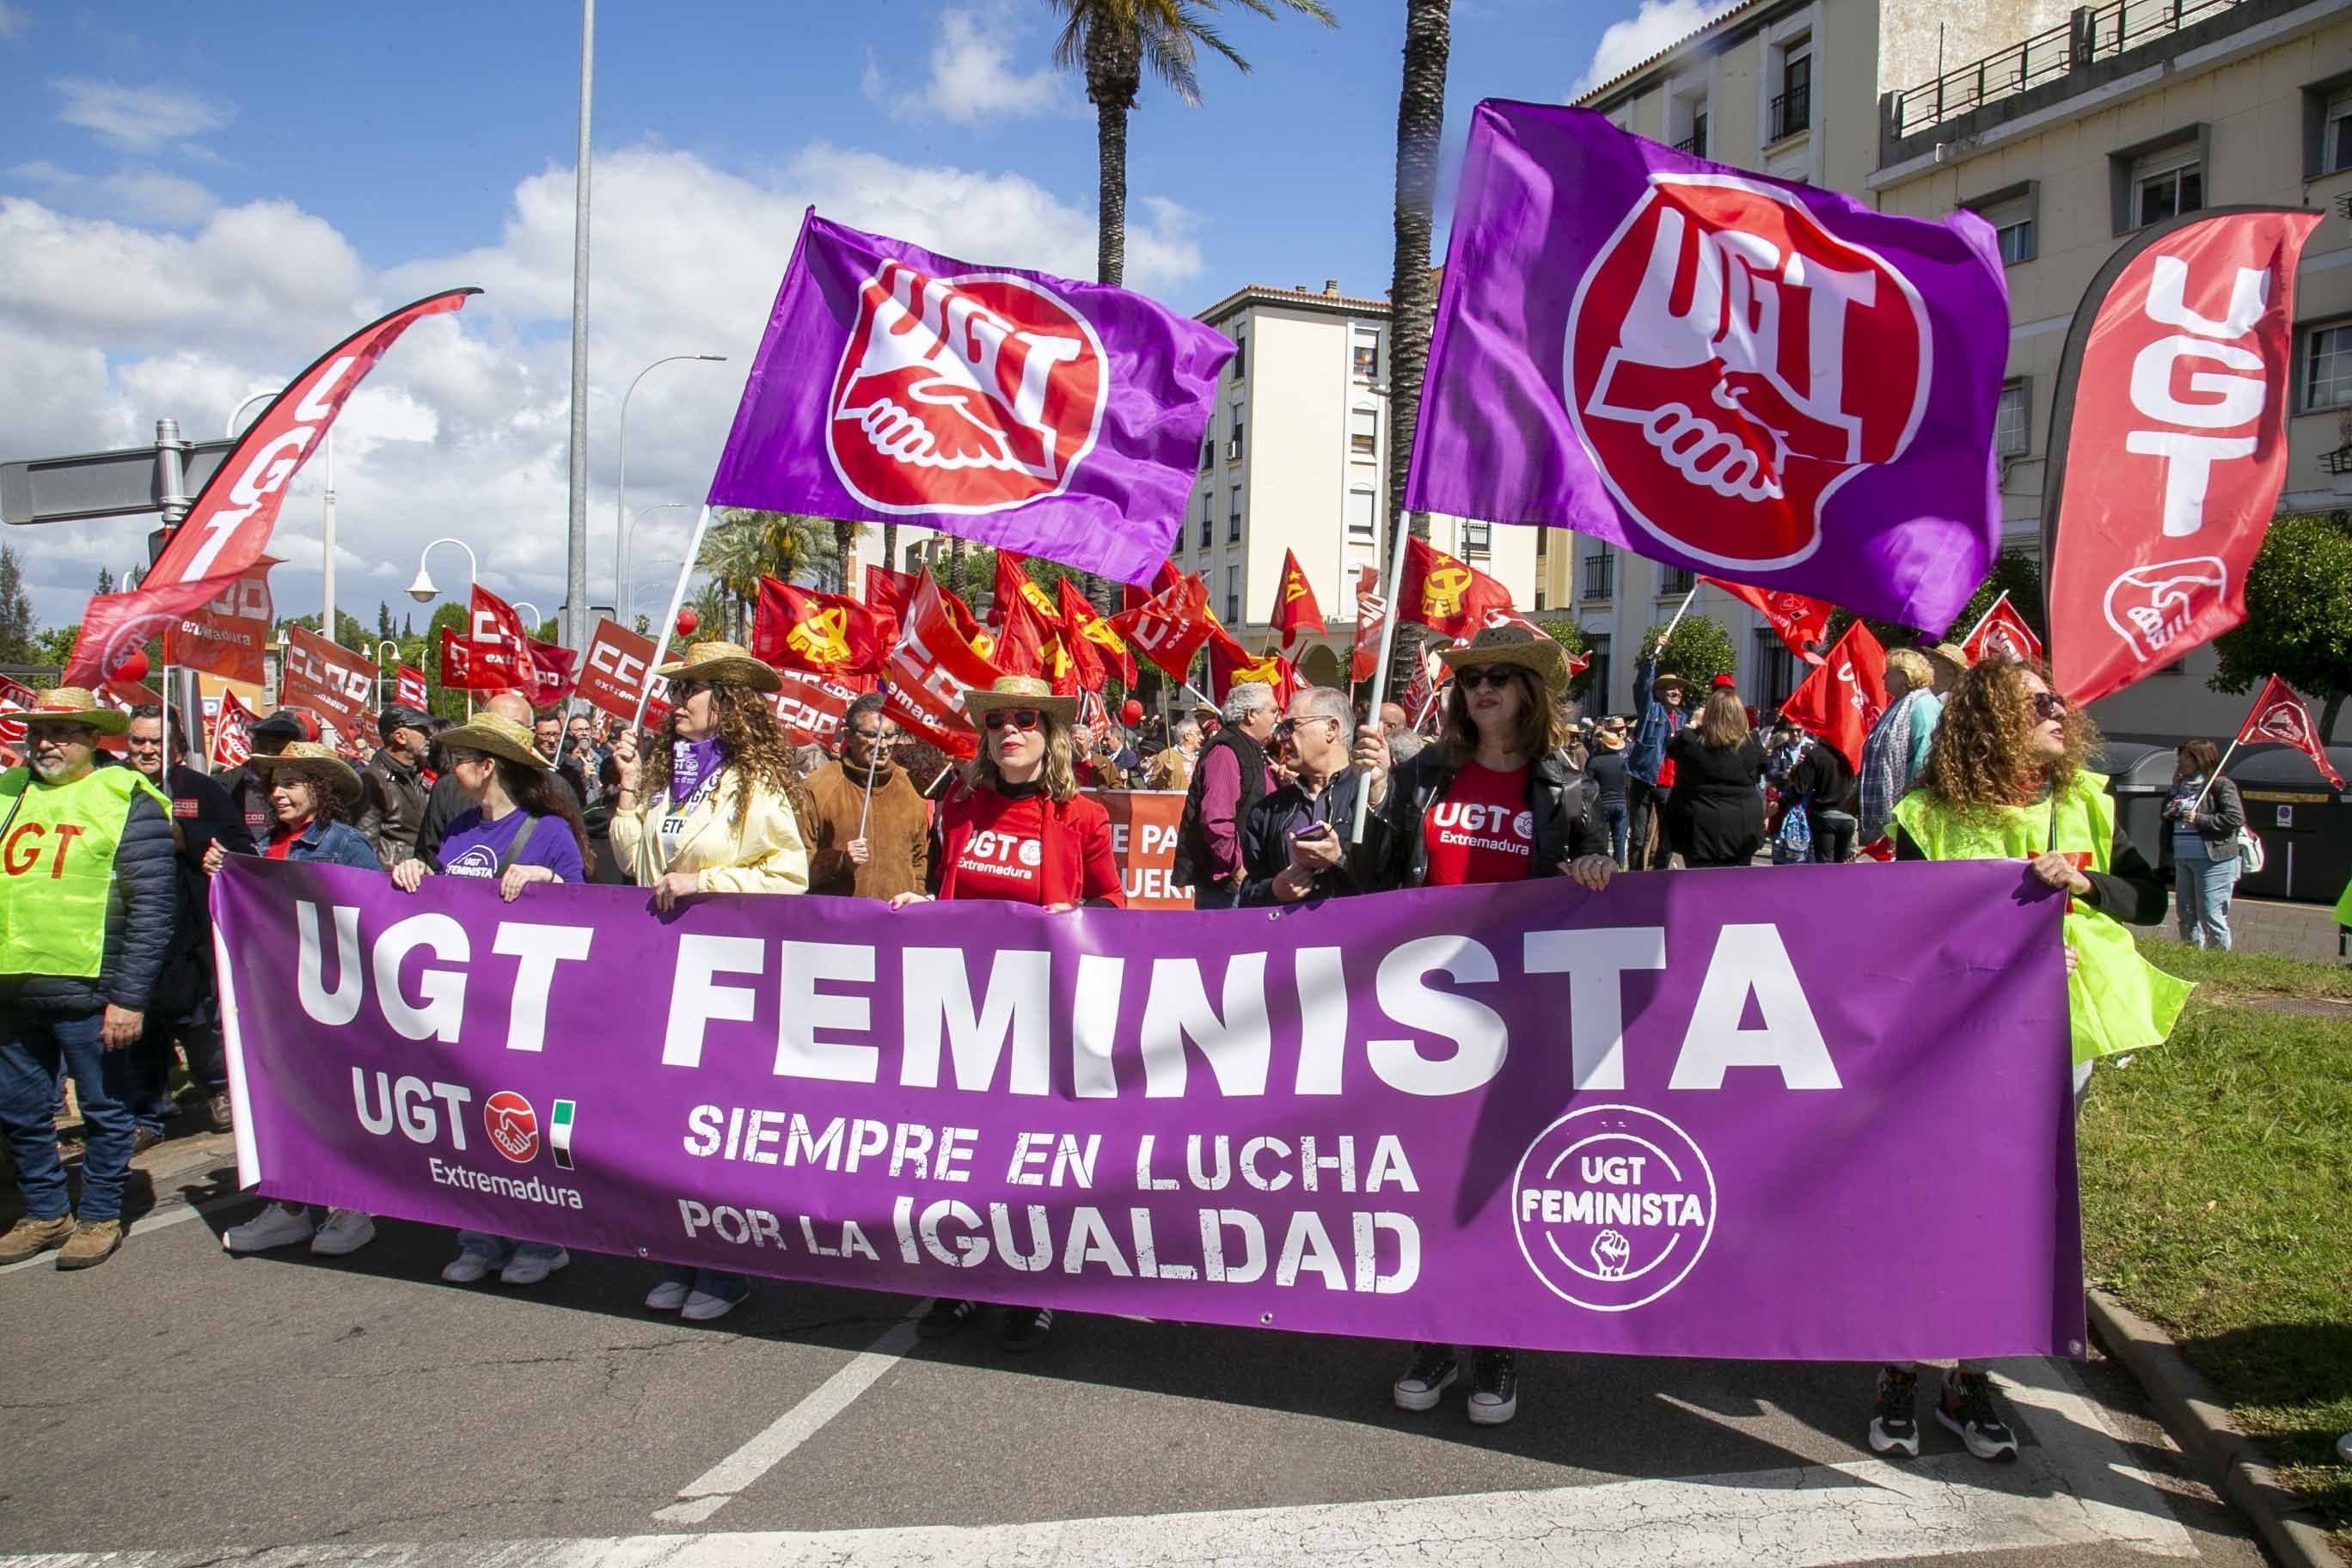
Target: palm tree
{"points": [[1112, 42], [844, 551], [889, 547], [744, 545], [1412, 292]]}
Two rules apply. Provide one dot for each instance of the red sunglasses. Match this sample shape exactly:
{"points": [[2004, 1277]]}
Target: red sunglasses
{"points": [[1019, 718]]}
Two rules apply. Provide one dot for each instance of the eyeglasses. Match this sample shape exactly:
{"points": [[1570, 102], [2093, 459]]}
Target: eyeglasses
{"points": [[2049, 705], [1289, 727], [1479, 675], [1019, 718]]}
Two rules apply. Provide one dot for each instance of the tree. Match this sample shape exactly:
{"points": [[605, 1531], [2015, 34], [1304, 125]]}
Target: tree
{"points": [[2298, 624], [889, 547], [745, 545], [1112, 42], [2015, 573], [448, 702], [1413, 295], [349, 631], [105, 581], [1570, 637], [17, 629], [1700, 651], [53, 646]]}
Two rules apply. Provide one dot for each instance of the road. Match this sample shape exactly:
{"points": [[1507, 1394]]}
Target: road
{"points": [[187, 1407]]}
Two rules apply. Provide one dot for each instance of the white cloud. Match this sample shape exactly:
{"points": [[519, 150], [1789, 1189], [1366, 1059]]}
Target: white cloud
{"points": [[107, 323], [139, 119], [972, 80], [1657, 25], [139, 194]]}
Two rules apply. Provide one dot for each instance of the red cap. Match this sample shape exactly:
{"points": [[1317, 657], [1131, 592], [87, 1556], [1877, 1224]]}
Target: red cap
{"points": [[1720, 683]]}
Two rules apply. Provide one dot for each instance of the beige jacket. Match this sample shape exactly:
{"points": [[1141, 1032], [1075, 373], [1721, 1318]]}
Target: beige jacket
{"points": [[766, 857]]}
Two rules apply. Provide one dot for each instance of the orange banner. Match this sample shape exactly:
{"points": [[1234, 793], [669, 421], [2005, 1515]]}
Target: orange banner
{"points": [[1143, 842]]}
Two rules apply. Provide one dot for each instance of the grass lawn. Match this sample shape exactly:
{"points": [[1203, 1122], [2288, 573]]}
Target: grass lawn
{"points": [[2217, 1200]]}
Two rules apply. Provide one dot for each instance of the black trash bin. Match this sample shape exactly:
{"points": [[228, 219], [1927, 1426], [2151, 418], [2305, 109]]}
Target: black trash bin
{"points": [[2304, 823], [2140, 775]]}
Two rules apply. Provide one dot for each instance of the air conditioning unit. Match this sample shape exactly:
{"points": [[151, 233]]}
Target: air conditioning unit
{"points": [[1232, 449]]}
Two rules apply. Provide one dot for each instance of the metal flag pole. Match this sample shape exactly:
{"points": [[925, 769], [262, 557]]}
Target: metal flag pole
{"points": [[1388, 649], [166, 716], [1679, 611], [2199, 804], [865, 806], [677, 598]]}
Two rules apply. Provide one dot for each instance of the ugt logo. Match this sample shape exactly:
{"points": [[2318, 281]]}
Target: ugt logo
{"points": [[2288, 724], [1730, 363], [963, 395]]}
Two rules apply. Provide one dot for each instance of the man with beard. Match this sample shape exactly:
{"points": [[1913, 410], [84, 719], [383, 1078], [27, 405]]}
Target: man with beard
{"points": [[86, 896], [392, 794]]}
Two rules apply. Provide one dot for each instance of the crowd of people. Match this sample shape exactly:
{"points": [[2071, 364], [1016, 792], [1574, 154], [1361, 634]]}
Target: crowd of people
{"points": [[109, 959]]}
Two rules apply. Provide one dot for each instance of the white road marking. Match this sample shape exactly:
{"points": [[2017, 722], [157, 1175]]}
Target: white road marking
{"points": [[719, 1485], [153, 1220]]}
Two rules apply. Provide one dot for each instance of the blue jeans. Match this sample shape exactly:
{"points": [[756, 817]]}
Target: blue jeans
{"points": [[1614, 814], [709, 1281], [2200, 897], [198, 1033], [1217, 896], [500, 1250], [32, 1047]]}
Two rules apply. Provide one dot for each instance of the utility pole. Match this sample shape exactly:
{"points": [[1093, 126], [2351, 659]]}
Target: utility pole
{"points": [[575, 578]]}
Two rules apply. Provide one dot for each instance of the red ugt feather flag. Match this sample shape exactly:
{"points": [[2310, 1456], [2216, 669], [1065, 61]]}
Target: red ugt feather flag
{"points": [[1844, 695], [1798, 621], [2279, 715]]}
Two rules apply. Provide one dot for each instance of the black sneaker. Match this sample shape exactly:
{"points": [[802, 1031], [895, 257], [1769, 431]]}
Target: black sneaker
{"points": [[1425, 1383], [1494, 1388], [1968, 1408], [1026, 1328], [1893, 1421], [947, 1316]]}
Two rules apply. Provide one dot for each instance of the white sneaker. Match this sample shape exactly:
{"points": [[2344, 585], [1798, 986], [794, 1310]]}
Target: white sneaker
{"points": [[466, 1268], [279, 1224], [531, 1267], [346, 1230], [668, 1296], [703, 1306]]}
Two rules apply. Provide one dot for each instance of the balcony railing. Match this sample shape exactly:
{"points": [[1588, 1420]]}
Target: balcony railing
{"points": [[1599, 576], [1695, 144], [2091, 33], [1792, 112]]}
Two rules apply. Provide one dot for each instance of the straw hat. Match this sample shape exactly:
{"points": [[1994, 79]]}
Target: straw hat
{"points": [[1539, 655], [1610, 739], [496, 737], [1019, 692], [1950, 656], [723, 664], [316, 759], [75, 705]]}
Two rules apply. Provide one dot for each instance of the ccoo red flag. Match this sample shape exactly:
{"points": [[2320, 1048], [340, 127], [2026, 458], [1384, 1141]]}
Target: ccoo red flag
{"points": [[1168, 628], [1798, 621], [932, 667], [1295, 609], [2002, 633], [226, 635], [409, 686], [1844, 695], [1131, 597], [886, 594], [1371, 614], [2279, 715], [2169, 442], [327, 678]]}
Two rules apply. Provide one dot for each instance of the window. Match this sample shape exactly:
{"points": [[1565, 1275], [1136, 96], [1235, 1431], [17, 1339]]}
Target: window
{"points": [[2012, 420], [1368, 354], [1693, 141], [1233, 601], [1539, 597], [1477, 539], [1241, 354], [2012, 210], [1596, 683], [1600, 575], [2016, 241], [1675, 581], [2335, 136], [1362, 515], [1363, 433], [2328, 127], [2327, 367], [1233, 447], [1208, 452], [2167, 186], [1208, 518], [1775, 668], [1233, 519], [1792, 110]]}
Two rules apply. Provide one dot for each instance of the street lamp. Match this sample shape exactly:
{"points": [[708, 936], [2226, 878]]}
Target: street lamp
{"points": [[629, 539], [666, 561], [423, 591], [326, 519], [387, 643], [621, 496], [535, 617]]}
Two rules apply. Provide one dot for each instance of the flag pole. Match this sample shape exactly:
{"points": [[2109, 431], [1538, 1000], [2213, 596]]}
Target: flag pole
{"points": [[865, 806], [677, 598], [2197, 804], [1387, 650], [1679, 611]]}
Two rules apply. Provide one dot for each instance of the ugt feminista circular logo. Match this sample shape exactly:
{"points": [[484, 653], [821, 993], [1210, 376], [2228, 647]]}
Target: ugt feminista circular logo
{"points": [[1731, 364], [965, 395], [1613, 1207], [512, 1124]]}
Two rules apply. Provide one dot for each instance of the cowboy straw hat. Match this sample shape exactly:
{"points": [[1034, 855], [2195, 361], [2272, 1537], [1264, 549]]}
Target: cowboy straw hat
{"points": [[723, 664], [1539, 655], [75, 705], [1949, 654], [1610, 739], [496, 737], [315, 758], [1019, 692]]}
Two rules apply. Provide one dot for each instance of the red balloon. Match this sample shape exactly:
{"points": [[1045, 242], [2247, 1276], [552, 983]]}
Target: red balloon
{"points": [[686, 621], [1130, 711], [132, 668]]}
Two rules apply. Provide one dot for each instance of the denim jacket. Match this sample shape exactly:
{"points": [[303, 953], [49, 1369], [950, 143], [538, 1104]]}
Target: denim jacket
{"points": [[336, 844], [1647, 750]]}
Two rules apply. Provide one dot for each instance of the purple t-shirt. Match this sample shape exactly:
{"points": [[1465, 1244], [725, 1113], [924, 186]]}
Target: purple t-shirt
{"points": [[472, 847]]}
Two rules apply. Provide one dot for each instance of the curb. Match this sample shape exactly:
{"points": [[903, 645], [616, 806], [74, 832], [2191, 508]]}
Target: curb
{"points": [[2224, 1457]]}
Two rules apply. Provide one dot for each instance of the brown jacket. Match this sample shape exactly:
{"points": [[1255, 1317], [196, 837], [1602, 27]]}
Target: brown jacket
{"points": [[897, 833]]}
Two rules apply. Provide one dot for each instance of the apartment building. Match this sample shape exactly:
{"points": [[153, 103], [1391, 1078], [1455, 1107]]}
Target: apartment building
{"points": [[2067, 128]]}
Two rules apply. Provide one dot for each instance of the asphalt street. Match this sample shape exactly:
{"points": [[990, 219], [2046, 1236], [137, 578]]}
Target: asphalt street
{"points": [[181, 1407]]}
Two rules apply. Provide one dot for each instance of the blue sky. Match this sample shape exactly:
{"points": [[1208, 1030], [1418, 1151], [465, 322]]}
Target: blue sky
{"points": [[194, 207]]}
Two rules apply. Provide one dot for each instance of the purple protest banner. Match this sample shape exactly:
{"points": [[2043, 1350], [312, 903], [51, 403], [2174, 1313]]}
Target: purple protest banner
{"points": [[1671, 1118], [1025, 411], [1740, 375]]}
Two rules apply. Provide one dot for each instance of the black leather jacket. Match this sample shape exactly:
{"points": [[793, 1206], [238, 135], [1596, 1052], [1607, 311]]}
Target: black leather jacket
{"points": [[392, 812], [1394, 854]]}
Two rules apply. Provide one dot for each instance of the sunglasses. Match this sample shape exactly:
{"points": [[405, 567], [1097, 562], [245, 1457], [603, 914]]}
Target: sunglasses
{"points": [[2049, 705], [457, 755], [682, 687], [1479, 675], [1019, 718]]}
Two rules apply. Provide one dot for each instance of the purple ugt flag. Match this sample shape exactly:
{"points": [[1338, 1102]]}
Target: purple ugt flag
{"points": [[1017, 409], [1732, 374]]}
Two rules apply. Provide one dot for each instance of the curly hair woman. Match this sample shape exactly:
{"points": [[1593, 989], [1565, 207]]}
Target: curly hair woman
{"points": [[727, 819], [2006, 779]]}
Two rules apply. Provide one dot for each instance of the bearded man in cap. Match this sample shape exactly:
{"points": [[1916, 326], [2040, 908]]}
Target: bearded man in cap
{"points": [[86, 889], [393, 791]]}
